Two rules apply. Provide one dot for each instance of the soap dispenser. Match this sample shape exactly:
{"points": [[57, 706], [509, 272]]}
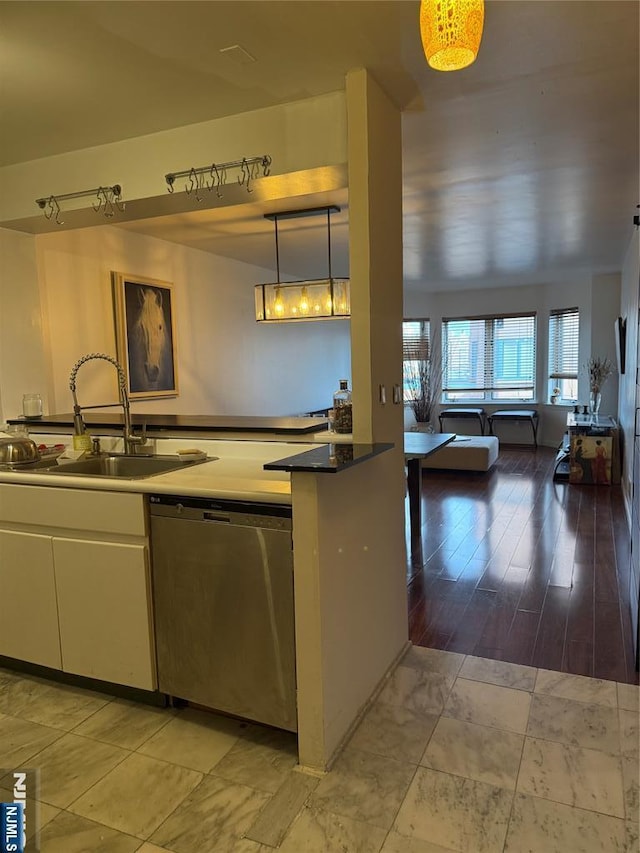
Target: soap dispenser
{"points": [[81, 438]]}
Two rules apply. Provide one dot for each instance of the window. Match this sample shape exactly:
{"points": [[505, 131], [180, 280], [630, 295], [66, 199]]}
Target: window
{"points": [[415, 351], [564, 334], [489, 358]]}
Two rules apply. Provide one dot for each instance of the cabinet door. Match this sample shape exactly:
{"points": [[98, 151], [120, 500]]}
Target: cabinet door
{"points": [[104, 610], [28, 609]]}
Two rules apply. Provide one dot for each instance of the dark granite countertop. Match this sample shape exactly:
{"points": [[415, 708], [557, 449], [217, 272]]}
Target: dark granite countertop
{"points": [[186, 423], [328, 458]]}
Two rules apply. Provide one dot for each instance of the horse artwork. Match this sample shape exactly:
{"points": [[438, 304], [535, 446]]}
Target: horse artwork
{"points": [[146, 337]]}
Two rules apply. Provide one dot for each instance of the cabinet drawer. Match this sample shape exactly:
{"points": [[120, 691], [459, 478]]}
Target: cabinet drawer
{"points": [[73, 509]]}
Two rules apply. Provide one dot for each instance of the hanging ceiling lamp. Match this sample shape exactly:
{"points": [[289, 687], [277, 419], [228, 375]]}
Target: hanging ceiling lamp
{"points": [[312, 299], [451, 31]]}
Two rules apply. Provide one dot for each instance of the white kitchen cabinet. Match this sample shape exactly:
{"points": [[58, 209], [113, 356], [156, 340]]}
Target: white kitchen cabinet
{"points": [[103, 607], [74, 582], [28, 608]]}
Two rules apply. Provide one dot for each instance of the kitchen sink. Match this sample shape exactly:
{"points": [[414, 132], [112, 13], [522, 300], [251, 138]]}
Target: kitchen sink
{"points": [[27, 467], [122, 466]]}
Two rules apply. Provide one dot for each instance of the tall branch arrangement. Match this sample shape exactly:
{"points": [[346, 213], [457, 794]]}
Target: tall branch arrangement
{"points": [[424, 379], [599, 369]]}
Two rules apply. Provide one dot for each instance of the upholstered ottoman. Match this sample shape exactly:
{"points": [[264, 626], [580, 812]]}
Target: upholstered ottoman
{"points": [[466, 453]]}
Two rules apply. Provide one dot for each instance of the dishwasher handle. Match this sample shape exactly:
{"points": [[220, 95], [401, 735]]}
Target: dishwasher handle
{"points": [[215, 516]]}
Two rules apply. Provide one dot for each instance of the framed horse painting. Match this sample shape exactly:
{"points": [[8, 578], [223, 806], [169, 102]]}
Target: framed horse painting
{"points": [[145, 335]]}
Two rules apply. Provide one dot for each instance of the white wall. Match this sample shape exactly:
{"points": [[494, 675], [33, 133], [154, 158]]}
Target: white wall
{"points": [[299, 135], [227, 363], [605, 295], [22, 352], [598, 301], [627, 405]]}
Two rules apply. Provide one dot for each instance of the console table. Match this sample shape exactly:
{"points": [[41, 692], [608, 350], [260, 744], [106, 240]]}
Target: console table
{"points": [[588, 425]]}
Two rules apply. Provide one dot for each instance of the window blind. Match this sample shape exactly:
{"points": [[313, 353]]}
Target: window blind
{"points": [[416, 350], [415, 340], [564, 334], [490, 357]]}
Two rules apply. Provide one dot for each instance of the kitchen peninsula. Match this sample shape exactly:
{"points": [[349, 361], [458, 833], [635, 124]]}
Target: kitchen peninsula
{"points": [[72, 524]]}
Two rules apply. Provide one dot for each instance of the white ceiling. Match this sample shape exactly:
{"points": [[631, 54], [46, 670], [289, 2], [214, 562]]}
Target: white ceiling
{"points": [[522, 168]]}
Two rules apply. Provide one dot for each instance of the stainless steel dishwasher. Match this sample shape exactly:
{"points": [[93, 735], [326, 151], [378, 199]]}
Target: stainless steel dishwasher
{"points": [[223, 603]]}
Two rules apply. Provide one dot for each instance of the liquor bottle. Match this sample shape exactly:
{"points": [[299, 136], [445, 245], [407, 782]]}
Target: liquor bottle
{"points": [[342, 407]]}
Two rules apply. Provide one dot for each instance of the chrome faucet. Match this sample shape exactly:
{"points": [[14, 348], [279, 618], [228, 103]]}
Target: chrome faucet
{"points": [[131, 441]]}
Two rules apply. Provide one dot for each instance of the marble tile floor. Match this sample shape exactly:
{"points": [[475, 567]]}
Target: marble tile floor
{"points": [[457, 753]]}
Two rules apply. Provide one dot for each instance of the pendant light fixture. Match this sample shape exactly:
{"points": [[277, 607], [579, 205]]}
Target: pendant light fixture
{"points": [[312, 299], [451, 31]]}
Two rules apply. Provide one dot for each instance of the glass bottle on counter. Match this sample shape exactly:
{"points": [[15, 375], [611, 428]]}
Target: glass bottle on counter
{"points": [[342, 407], [32, 405]]}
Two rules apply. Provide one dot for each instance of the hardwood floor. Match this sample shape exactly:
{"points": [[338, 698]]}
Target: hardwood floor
{"points": [[523, 569]]}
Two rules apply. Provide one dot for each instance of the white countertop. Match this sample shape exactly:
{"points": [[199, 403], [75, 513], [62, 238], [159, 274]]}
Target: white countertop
{"points": [[236, 475]]}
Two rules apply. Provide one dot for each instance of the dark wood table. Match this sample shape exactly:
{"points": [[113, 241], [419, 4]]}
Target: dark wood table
{"points": [[417, 446]]}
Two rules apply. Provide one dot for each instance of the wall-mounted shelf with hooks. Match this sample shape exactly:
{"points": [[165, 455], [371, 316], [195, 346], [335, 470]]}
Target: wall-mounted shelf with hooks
{"points": [[215, 176], [109, 200]]}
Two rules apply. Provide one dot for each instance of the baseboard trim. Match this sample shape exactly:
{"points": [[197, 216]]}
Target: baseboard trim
{"points": [[313, 771], [136, 694]]}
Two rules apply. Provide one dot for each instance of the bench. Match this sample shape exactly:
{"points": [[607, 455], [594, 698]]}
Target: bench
{"points": [[477, 413], [466, 453], [528, 415]]}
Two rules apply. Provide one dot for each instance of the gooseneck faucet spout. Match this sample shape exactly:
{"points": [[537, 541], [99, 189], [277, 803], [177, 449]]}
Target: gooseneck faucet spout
{"points": [[130, 440]]}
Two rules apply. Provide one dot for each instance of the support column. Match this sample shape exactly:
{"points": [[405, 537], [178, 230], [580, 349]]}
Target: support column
{"points": [[349, 546], [375, 257]]}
